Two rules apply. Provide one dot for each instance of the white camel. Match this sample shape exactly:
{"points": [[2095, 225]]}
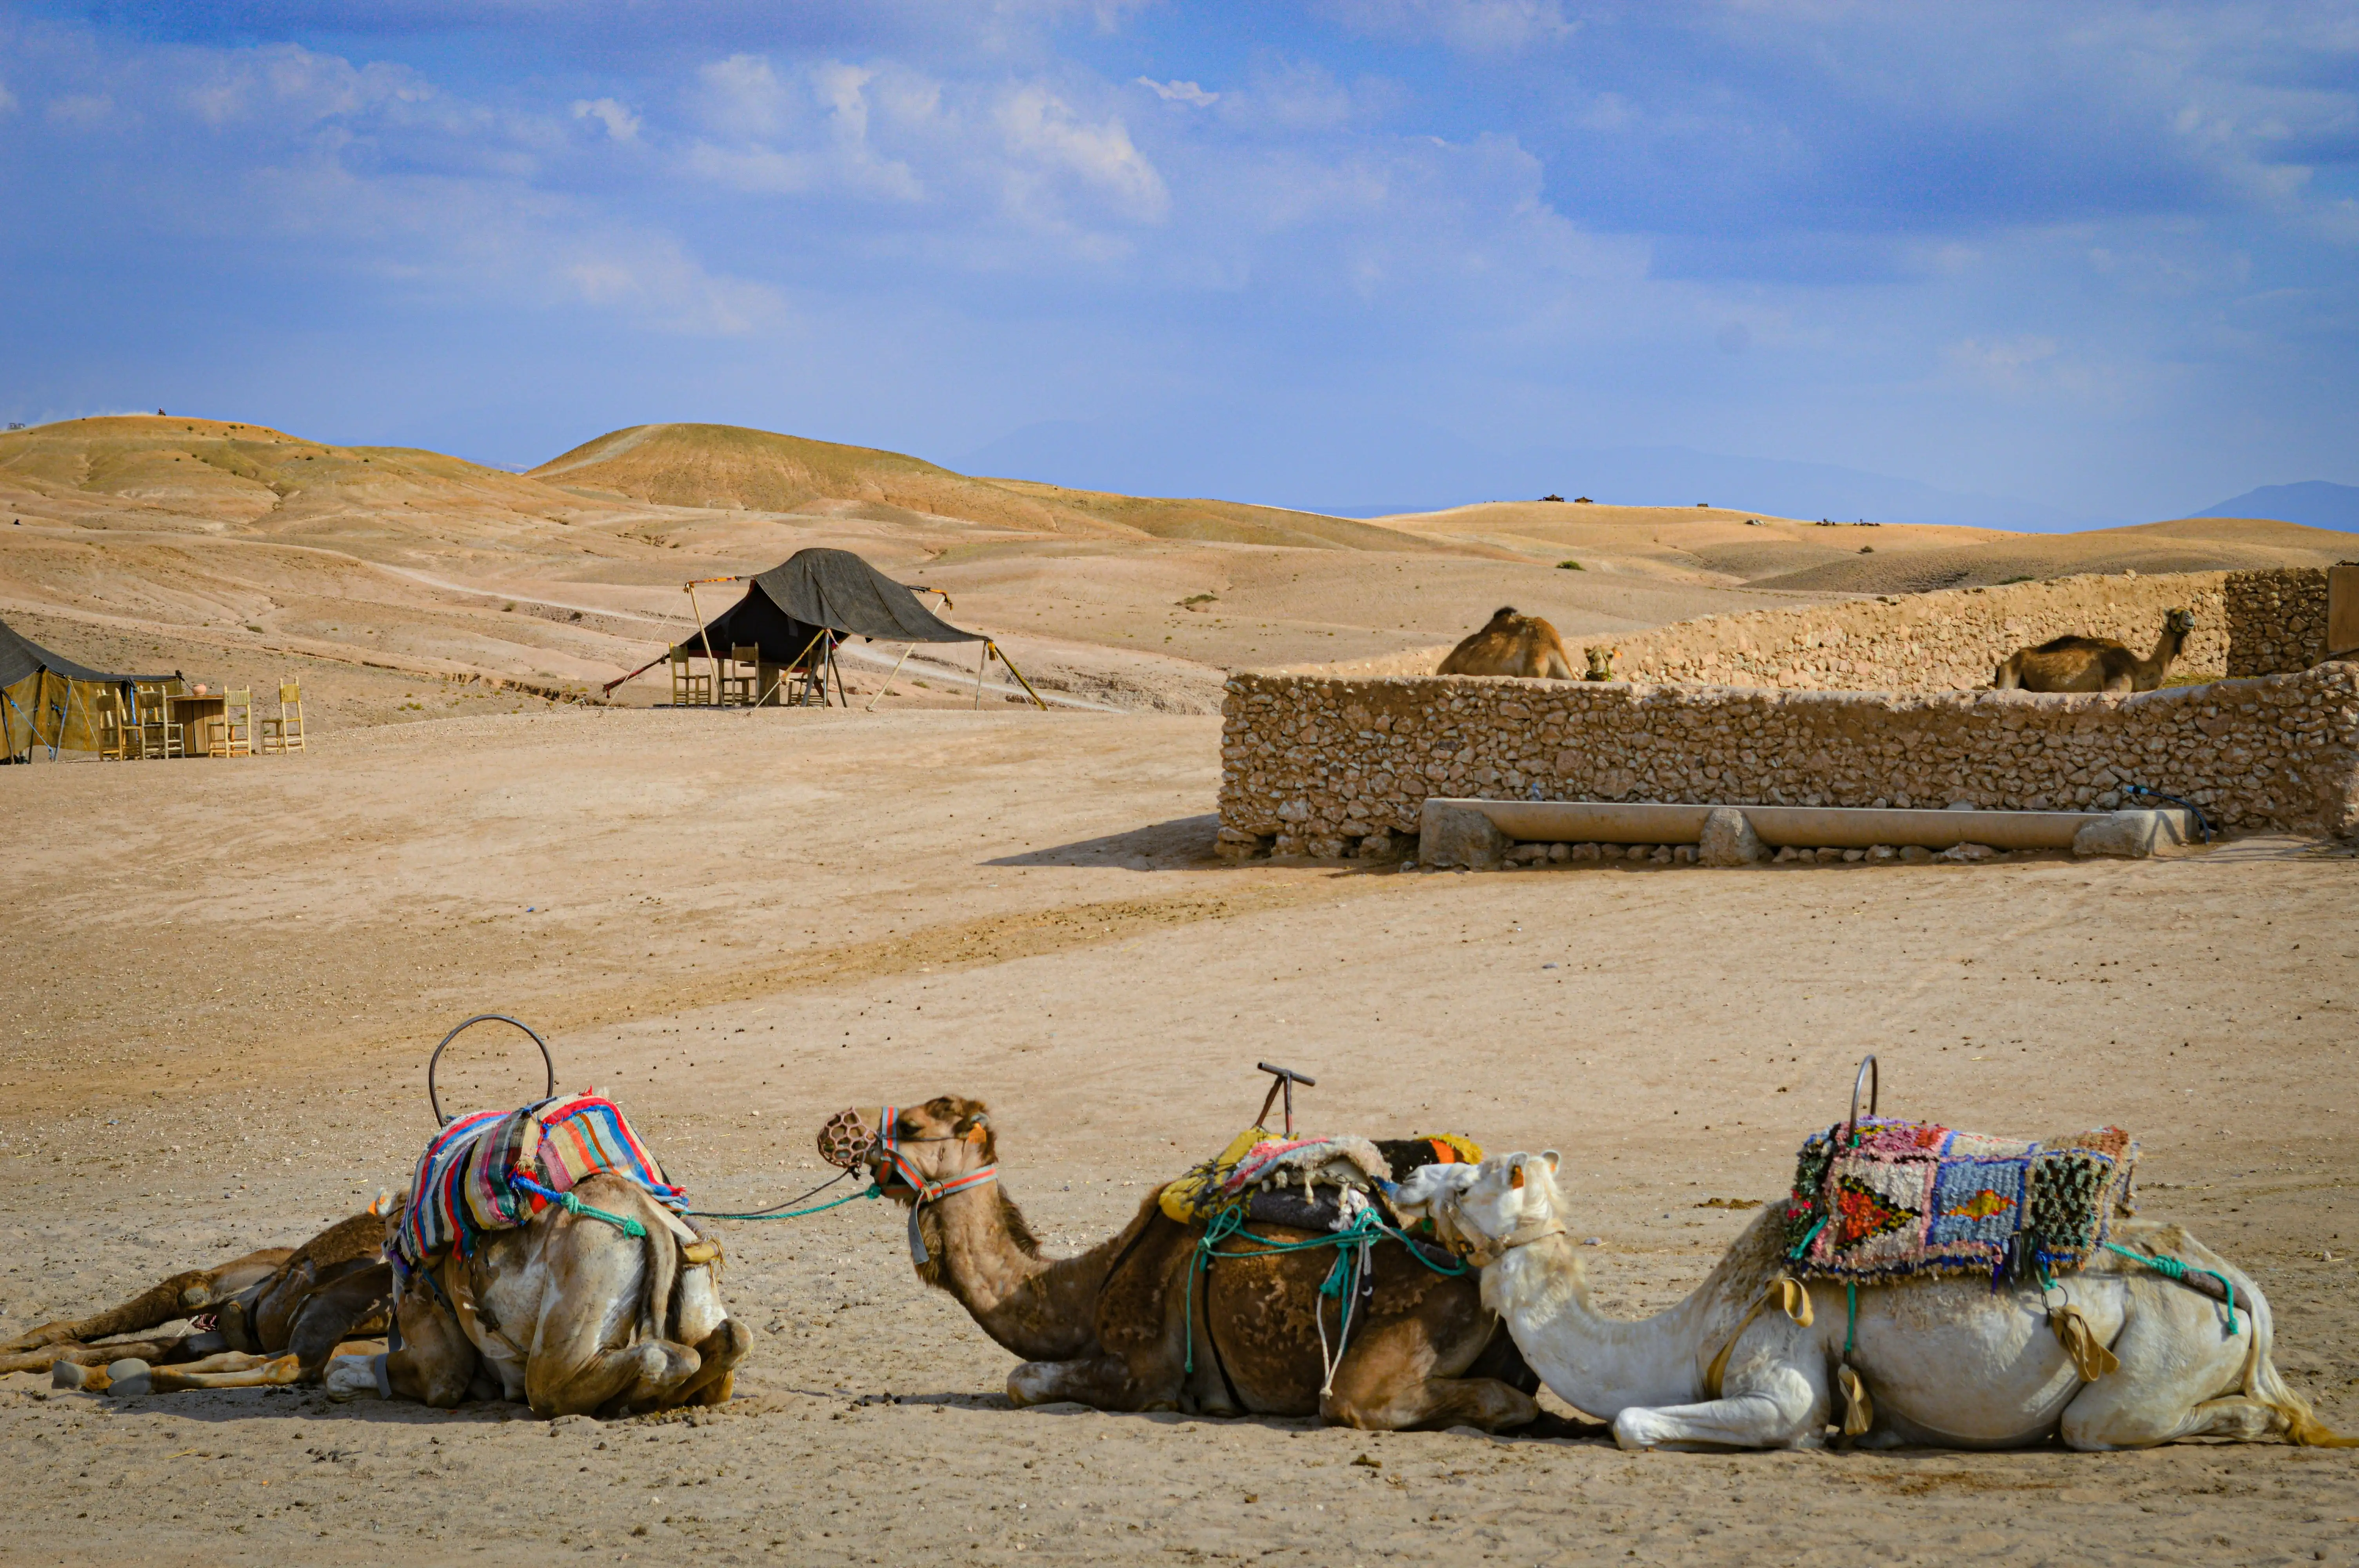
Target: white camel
{"points": [[1753, 1360]]}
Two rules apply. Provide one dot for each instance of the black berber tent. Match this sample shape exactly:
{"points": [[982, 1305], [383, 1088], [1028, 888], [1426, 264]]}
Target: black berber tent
{"points": [[797, 612], [46, 700], [817, 590]]}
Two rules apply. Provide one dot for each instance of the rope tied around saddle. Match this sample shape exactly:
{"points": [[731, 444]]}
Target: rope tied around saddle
{"points": [[1347, 1282], [574, 1205]]}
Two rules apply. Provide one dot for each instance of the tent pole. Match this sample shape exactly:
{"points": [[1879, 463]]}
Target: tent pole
{"points": [[888, 679], [609, 688], [803, 697], [838, 670], [690, 588], [981, 659], [1019, 675]]}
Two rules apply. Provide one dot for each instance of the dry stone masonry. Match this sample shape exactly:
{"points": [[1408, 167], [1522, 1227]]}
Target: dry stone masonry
{"points": [[2276, 620], [1330, 768]]}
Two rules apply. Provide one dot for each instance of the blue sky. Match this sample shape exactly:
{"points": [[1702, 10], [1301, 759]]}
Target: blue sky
{"points": [[2059, 261]]}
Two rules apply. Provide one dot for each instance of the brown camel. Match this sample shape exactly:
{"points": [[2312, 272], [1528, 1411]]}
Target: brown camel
{"points": [[2094, 663], [1133, 1324], [278, 1315], [1511, 644], [569, 1313]]}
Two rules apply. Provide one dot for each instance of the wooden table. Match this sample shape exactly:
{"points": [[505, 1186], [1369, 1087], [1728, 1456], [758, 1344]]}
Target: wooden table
{"points": [[205, 716]]}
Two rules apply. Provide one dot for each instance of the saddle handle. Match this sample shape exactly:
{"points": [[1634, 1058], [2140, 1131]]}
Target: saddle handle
{"points": [[1872, 1077], [1281, 1078], [547, 1061]]}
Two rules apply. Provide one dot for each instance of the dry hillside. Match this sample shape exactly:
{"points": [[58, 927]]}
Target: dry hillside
{"points": [[393, 581]]}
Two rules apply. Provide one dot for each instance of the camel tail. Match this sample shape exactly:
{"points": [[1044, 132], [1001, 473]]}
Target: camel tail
{"points": [[2262, 1382]]}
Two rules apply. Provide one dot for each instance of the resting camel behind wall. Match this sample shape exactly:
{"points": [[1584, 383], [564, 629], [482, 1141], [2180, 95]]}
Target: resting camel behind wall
{"points": [[1511, 644], [2094, 663]]}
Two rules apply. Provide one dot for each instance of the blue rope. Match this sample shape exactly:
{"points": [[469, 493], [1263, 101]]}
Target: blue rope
{"points": [[872, 1191]]}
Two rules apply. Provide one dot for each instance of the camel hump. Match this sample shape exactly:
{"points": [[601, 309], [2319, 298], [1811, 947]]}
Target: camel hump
{"points": [[2073, 642]]}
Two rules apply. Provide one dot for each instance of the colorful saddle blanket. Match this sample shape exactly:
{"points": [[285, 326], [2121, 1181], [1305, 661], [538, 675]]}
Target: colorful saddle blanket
{"points": [[1906, 1198], [465, 1183], [1258, 1157]]}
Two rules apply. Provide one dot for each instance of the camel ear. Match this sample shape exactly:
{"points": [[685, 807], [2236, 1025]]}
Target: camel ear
{"points": [[381, 1203], [1551, 1156]]}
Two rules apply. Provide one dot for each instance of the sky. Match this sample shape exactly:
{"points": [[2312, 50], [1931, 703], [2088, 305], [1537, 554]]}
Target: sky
{"points": [[2034, 265]]}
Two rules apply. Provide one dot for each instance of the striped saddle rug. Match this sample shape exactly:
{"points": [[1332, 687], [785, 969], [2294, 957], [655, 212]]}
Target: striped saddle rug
{"points": [[1890, 1199], [465, 1183]]}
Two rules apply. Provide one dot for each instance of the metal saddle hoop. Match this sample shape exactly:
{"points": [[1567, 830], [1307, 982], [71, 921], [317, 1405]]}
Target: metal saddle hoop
{"points": [[547, 1061], [1871, 1078]]}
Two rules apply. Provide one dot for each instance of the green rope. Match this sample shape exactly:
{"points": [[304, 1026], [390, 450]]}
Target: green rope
{"points": [[871, 1192], [1229, 1224], [1851, 1329], [628, 1226], [2172, 1269], [1804, 1245]]}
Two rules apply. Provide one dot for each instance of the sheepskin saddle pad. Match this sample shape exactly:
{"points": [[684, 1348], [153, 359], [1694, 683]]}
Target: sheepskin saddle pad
{"points": [[1259, 1166], [465, 1183], [1889, 1199]]}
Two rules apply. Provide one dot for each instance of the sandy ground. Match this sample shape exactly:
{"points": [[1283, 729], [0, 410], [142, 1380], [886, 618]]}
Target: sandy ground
{"points": [[223, 978]]}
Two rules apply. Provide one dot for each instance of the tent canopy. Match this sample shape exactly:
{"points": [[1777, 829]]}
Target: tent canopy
{"points": [[46, 700], [818, 590]]}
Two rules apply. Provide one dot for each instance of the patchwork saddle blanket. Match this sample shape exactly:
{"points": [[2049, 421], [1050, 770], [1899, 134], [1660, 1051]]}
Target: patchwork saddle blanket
{"points": [[1258, 1165], [465, 1183], [1904, 1198]]}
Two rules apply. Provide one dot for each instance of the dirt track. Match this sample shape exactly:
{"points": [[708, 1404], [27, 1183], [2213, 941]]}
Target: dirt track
{"points": [[222, 979]]}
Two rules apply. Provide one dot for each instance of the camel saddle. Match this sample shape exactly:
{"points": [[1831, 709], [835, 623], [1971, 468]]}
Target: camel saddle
{"points": [[1301, 1182], [1880, 1199]]}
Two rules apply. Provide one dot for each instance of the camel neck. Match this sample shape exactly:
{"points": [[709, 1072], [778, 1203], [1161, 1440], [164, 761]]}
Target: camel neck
{"points": [[1598, 1363], [1039, 1308]]}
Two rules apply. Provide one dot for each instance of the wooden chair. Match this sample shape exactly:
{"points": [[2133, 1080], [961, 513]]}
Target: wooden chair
{"points": [[118, 737], [284, 733], [690, 688], [235, 735], [741, 676], [161, 736]]}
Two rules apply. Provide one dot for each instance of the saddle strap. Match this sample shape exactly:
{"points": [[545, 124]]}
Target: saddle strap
{"points": [[1790, 1295], [2080, 1343]]}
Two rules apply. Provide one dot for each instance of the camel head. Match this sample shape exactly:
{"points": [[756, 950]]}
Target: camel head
{"points": [[1504, 612], [1509, 1196], [2180, 620], [941, 1139], [1428, 1192], [1600, 662]]}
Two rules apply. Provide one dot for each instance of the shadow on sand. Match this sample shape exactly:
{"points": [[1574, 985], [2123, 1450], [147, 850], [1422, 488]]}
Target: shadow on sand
{"points": [[1185, 843]]}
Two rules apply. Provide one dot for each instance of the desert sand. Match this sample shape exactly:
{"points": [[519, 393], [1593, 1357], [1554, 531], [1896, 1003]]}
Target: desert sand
{"points": [[224, 978]]}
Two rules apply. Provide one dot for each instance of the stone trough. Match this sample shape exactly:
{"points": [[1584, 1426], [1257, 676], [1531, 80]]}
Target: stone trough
{"points": [[1482, 833]]}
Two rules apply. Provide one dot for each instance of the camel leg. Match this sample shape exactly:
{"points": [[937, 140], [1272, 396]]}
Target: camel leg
{"points": [[194, 1289], [1783, 1408], [2179, 1378], [1387, 1384], [436, 1365], [180, 1347], [717, 1354], [1101, 1382]]}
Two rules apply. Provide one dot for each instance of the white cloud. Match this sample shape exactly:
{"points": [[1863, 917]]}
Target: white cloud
{"points": [[622, 125], [7, 100], [743, 96], [823, 116], [1177, 91], [1043, 130]]}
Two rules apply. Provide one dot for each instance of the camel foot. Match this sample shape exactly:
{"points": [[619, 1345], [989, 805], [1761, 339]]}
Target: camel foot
{"points": [[35, 1339], [130, 1378], [74, 1375], [357, 1377]]}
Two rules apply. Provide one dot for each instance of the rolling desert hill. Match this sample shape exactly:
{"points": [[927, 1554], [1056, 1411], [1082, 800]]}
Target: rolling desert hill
{"points": [[402, 584]]}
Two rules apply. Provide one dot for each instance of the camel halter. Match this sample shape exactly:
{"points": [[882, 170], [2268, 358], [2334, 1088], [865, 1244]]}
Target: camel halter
{"points": [[1484, 1251], [890, 1141]]}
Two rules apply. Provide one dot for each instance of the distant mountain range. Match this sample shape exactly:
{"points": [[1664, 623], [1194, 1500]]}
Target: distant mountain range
{"points": [[1413, 469], [2314, 501]]}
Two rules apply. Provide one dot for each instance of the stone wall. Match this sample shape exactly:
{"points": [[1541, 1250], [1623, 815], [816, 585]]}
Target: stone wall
{"points": [[2276, 620], [2246, 623], [1948, 641], [1331, 767]]}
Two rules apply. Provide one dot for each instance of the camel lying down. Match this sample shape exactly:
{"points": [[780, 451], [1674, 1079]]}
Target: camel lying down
{"points": [[278, 1315], [569, 1313], [1946, 1363]]}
